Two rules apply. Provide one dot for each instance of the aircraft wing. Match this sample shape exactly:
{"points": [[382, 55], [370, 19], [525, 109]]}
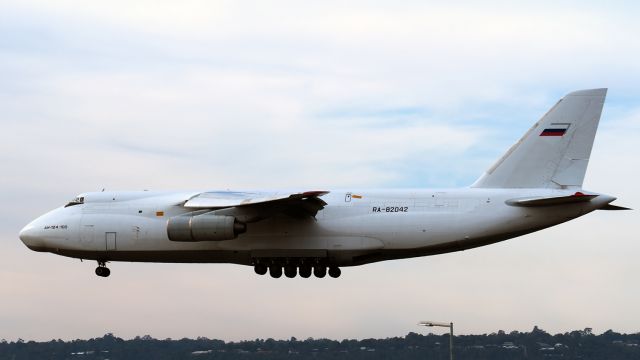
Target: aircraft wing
{"points": [[225, 199], [254, 206]]}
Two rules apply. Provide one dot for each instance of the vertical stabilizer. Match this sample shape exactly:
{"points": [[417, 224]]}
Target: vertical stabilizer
{"points": [[555, 152]]}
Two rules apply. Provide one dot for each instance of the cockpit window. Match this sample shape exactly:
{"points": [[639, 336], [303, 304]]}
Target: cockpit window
{"points": [[77, 201]]}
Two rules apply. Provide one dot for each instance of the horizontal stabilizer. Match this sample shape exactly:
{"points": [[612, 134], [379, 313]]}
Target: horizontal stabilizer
{"points": [[614, 207], [550, 201]]}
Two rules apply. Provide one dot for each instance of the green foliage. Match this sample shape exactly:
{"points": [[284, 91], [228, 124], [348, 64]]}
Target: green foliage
{"points": [[536, 344]]}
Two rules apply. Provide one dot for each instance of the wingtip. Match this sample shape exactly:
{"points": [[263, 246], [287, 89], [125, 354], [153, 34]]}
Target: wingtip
{"points": [[614, 207]]}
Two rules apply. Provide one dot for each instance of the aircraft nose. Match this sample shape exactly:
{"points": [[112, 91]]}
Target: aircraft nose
{"points": [[32, 237]]}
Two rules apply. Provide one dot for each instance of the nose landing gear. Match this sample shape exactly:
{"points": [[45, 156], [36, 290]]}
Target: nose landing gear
{"points": [[102, 270]]}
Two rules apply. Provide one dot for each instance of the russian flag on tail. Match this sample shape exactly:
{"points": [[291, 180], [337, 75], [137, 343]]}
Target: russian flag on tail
{"points": [[555, 129]]}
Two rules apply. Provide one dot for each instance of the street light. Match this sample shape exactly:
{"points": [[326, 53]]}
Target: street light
{"points": [[441, 324]]}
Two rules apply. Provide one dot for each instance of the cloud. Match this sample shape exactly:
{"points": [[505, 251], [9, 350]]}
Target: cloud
{"points": [[161, 95]]}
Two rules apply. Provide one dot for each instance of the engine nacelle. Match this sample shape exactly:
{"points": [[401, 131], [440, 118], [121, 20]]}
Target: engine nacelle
{"points": [[204, 228]]}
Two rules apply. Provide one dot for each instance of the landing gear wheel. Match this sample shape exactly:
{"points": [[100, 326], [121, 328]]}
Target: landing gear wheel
{"points": [[319, 271], [260, 269], [304, 271], [290, 271], [334, 272], [103, 271], [275, 271]]}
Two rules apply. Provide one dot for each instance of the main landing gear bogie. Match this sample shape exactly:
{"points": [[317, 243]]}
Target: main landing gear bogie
{"points": [[260, 269], [275, 271], [319, 271], [291, 268], [304, 271]]}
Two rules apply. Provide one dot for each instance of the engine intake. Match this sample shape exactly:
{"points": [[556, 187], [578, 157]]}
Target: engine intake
{"points": [[204, 228]]}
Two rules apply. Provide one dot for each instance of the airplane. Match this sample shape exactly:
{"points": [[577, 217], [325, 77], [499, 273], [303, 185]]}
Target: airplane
{"points": [[536, 184]]}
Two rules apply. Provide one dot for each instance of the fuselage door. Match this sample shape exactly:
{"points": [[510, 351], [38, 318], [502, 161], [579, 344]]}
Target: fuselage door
{"points": [[110, 239]]}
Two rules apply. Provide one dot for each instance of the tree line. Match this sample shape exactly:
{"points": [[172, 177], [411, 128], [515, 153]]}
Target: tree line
{"points": [[536, 344]]}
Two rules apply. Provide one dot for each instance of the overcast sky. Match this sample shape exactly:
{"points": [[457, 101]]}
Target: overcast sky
{"points": [[241, 94]]}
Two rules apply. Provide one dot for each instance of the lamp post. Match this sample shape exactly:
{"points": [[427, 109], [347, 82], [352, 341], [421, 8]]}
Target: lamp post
{"points": [[441, 324]]}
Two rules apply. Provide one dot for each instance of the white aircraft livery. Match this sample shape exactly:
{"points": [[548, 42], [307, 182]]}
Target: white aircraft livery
{"points": [[536, 184]]}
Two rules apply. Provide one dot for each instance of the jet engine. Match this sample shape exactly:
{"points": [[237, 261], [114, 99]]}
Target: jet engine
{"points": [[204, 228]]}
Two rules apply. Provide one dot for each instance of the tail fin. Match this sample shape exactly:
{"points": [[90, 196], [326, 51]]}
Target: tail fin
{"points": [[555, 152]]}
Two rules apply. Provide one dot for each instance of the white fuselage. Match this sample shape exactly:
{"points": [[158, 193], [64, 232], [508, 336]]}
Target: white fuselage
{"points": [[537, 183], [354, 228]]}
